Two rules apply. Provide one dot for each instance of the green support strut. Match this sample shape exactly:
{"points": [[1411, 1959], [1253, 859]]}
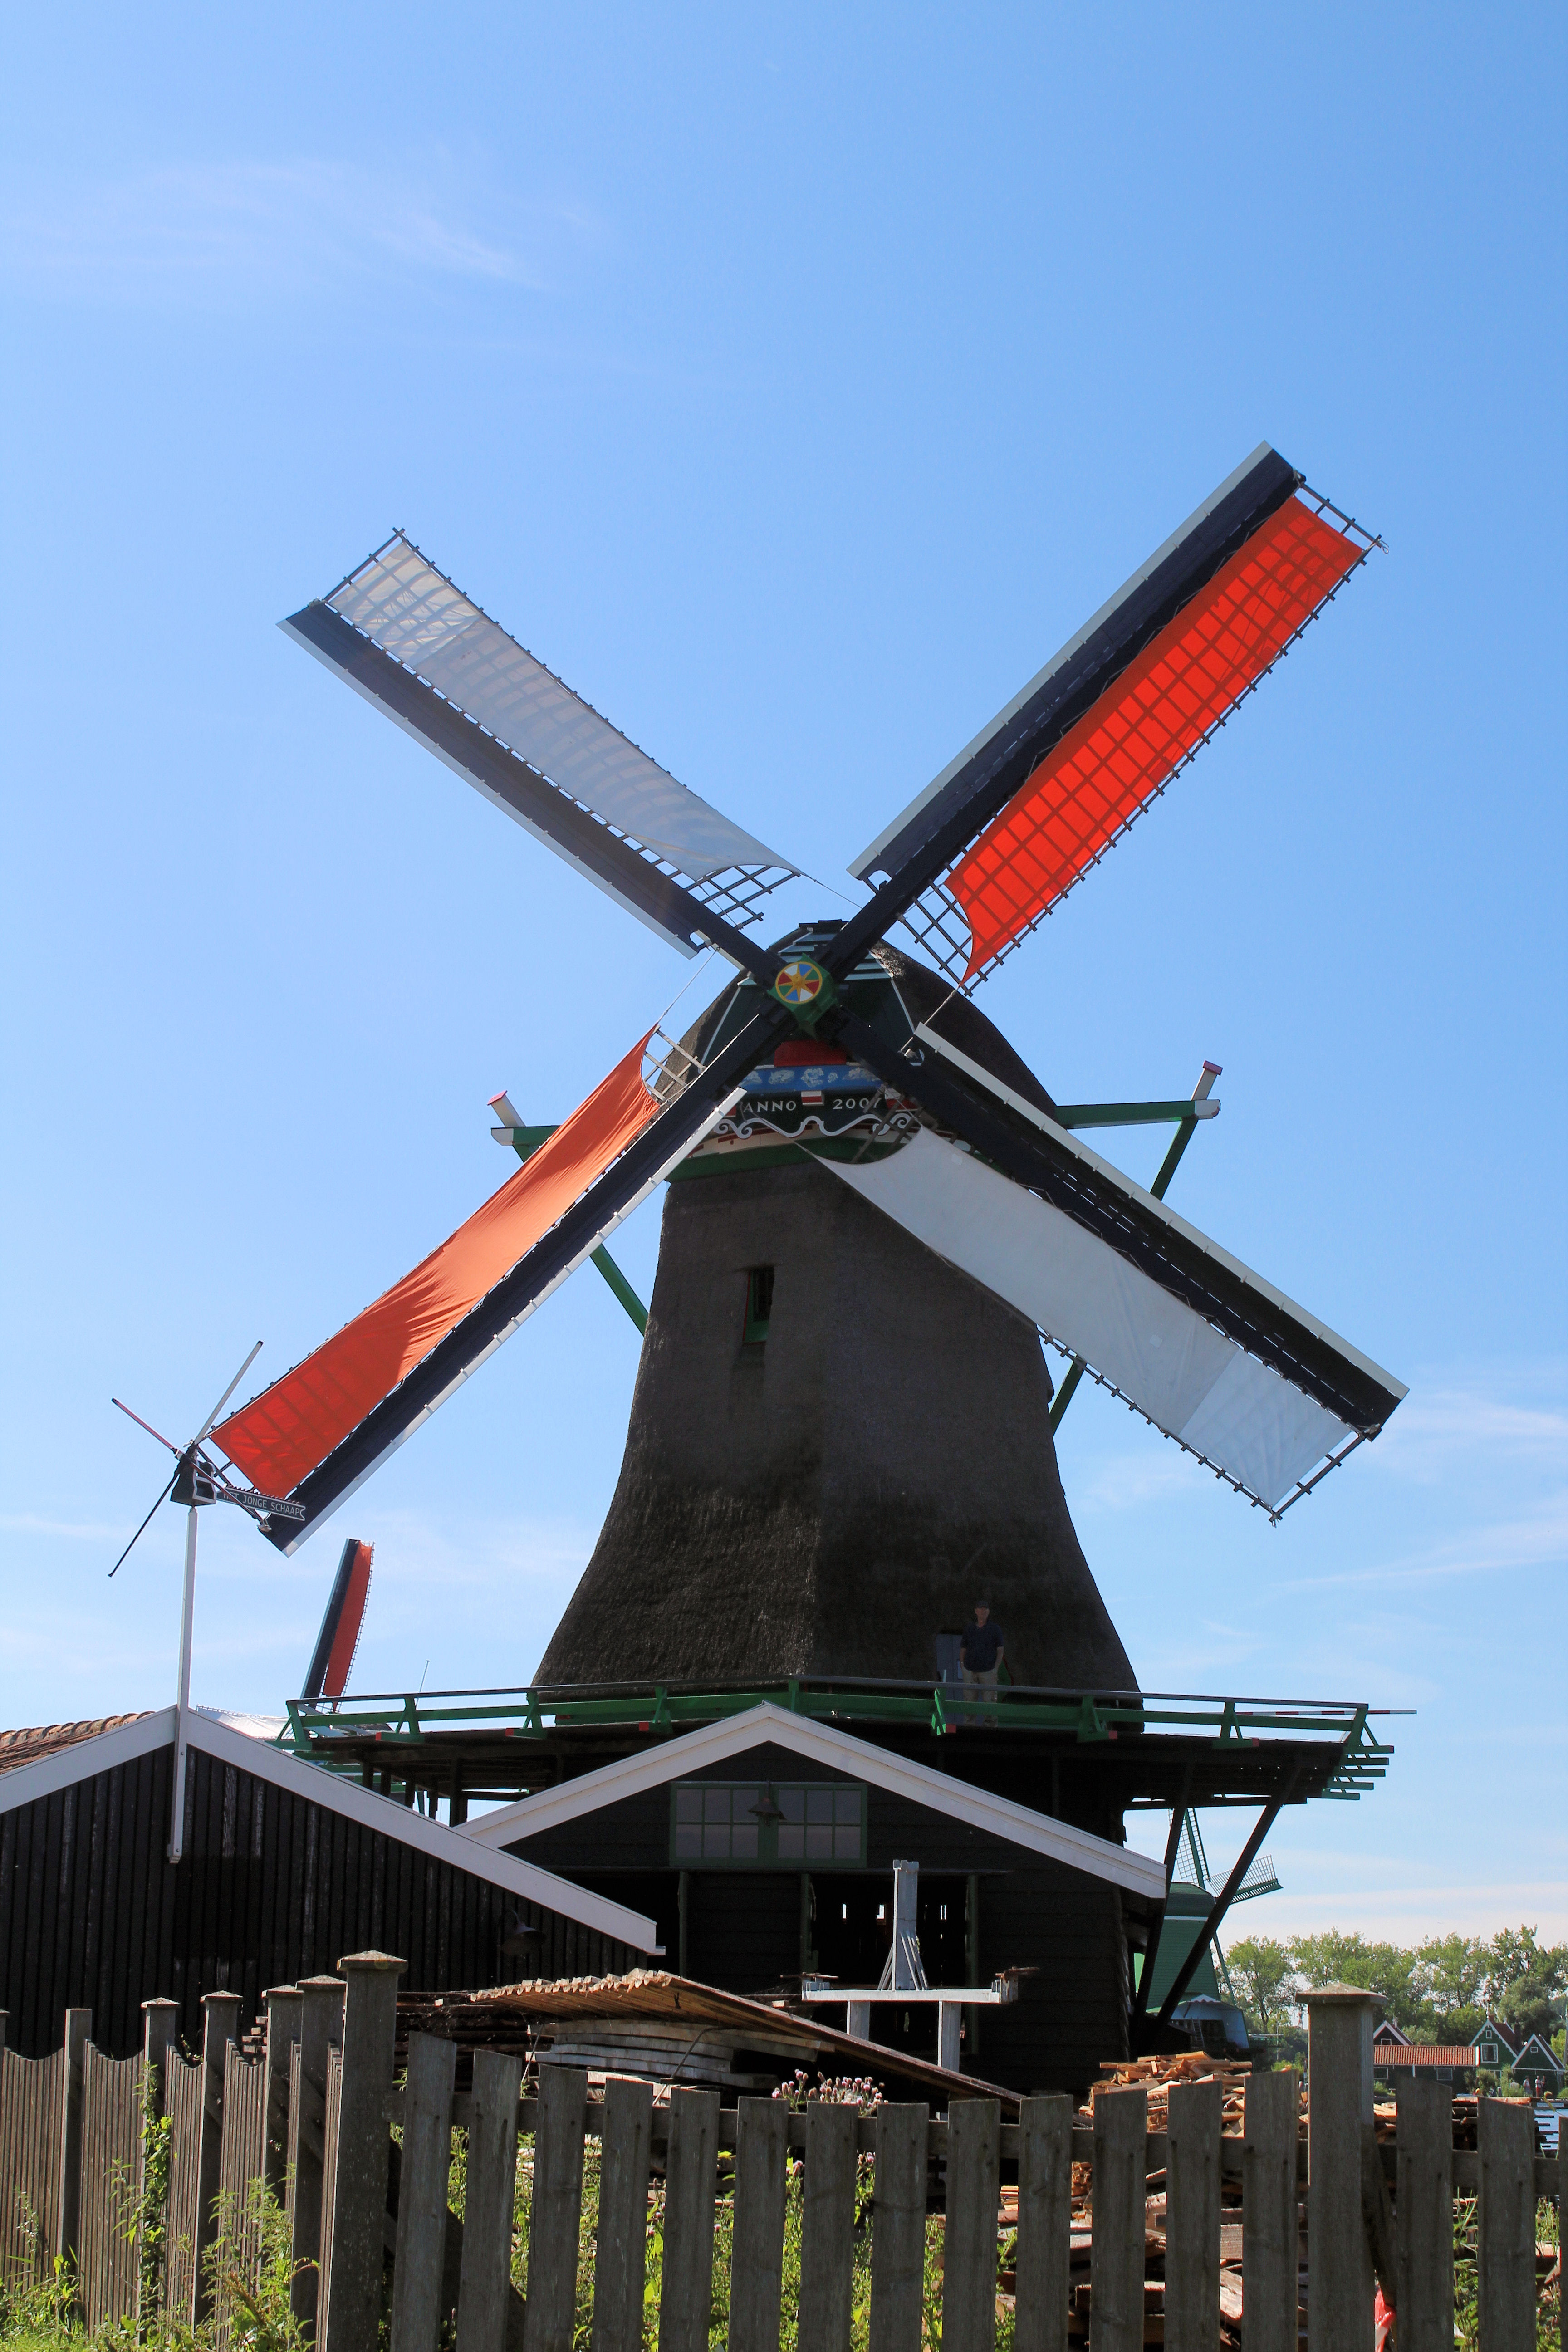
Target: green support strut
{"points": [[1116, 1116], [525, 1142]]}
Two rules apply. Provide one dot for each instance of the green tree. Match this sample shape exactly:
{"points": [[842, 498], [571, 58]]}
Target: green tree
{"points": [[1523, 1978], [1389, 1970], [1262, 1972]]}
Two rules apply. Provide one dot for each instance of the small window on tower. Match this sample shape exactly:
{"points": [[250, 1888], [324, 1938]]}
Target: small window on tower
{"points": [[759, 1303]]}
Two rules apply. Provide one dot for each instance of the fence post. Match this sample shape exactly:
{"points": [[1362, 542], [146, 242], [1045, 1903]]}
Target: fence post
{"points": [[67, 2199], [898, 2230], [1505, 2258], [1425, 2214], [969, 2249], [421, 2252], [827, 2226], [1339, 2092], [691, 2178], [487, 2209], [556, 2215], [1271, 2211], [361, 2158], [1192, 2221], [620, 2269], [158, 2021], [1116, 2256], [284, 2005], [220, 2026], [1045, 2224], [320, 2025]]}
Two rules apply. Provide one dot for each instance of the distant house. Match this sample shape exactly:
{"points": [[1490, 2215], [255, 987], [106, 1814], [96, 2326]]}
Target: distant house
{"points": [[1395, 2053], [1496, 2044], [1527, 2057]]}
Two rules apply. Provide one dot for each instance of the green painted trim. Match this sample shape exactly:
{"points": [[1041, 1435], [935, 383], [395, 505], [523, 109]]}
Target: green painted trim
{"points": [[1137, 1114], [1172, 1159], [782, 1155], [1064, 1395]]}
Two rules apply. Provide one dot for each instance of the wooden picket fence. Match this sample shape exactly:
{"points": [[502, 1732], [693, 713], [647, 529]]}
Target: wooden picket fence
{"points": [[363, 2165]]}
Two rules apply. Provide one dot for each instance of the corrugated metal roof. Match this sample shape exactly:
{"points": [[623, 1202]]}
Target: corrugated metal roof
{"points": [[46, 1738]]}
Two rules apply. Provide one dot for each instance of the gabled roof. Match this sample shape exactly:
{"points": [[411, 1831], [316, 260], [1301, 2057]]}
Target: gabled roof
{"points": [[1489, 2029], [65, 1762], [822, 1743], [1389, 2032]]}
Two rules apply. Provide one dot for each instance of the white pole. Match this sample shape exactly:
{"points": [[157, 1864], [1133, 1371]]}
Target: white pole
{"points": [[182, 1704]]}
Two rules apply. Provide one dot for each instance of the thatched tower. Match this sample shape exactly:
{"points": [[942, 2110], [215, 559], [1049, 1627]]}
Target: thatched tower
{"points": [[830, 1496]]}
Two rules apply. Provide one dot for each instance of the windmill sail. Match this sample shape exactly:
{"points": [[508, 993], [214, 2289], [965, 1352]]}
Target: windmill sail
{"points": [[403, 635], [1039, 796], [289, 1430], [1200, 1386], [321, 1429]]}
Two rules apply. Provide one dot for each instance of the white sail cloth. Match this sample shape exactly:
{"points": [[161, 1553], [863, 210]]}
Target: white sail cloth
{"points": [[412, 613], [1188, 1379]]}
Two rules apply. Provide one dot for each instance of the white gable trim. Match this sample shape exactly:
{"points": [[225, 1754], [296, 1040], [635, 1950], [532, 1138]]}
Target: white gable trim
{"points": [[25, 1783], [824, 1744]]}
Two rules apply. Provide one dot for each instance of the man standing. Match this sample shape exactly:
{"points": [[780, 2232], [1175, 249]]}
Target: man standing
{"points": [[980, 1654]]}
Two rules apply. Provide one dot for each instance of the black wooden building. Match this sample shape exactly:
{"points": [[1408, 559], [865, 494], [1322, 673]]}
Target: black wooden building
{"points": [[763, 1846], [286, 1867]]}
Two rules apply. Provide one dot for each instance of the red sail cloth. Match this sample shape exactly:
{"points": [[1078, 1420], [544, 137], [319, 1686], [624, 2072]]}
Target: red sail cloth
{"points": [[1148, 719], [345, 1639], [284, 1432]]}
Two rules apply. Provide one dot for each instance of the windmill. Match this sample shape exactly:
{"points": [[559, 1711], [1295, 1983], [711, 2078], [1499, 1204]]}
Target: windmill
{"points": [[844, 1087]]}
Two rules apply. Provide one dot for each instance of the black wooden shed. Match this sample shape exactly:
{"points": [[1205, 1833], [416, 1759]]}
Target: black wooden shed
{"points": [[286, 1867]]}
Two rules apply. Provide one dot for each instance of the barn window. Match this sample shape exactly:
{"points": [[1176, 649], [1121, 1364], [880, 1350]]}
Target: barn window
{"points": [[714, 1823], [759, 1304]]}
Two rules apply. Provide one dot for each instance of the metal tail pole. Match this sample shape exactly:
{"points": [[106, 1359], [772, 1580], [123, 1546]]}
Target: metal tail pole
{"points": [[183, 1704]]}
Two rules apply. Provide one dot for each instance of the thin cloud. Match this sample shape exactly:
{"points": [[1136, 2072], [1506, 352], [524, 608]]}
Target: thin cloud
{"points": [[244, 227], [1538, 1540]]}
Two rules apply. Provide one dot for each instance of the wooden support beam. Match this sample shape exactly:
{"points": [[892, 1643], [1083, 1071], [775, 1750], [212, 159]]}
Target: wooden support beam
{"points": [[897, 2229], [361, 2159], [420, 2254], [1191, 2217], [620, 2262], [1339, 2044]]}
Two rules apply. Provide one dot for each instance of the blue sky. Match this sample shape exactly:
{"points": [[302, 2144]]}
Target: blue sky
{"points": [[794, 383]]}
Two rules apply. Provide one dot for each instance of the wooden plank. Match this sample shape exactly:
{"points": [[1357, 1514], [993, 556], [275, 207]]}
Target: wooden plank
{"points": [[1271, 2211], [620, 2263], [184, 2083], [1045, 2224], [285, 2007], [68, 2197], [112, 2137], [828, 2227], [241, 2164], [1116, 2261], [1339, 2043], [758, 2129], [1192, 2219], [969, 2259], [220, 2026], [330, 2111], [555, 2217], [1505, 2261], [420, 2254], [361, 2158], [321, 2029], [686, 2292], [1425, 2215], [491, 2192], [897, 2228]]}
